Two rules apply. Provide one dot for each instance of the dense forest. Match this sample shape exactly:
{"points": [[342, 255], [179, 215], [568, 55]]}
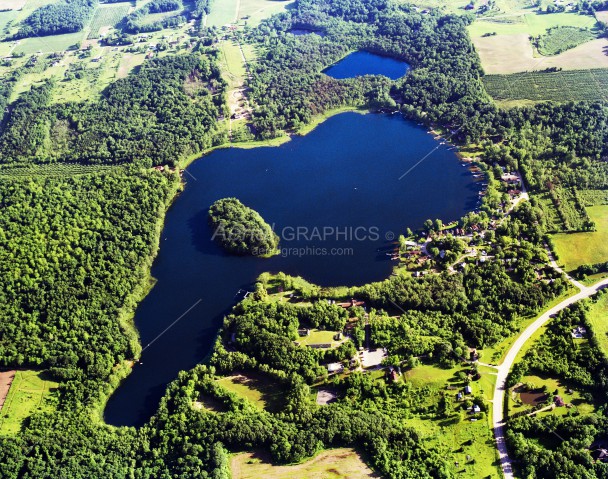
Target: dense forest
{"points": [[241, 230], [165, 112], [70, 262], [66, 16]]}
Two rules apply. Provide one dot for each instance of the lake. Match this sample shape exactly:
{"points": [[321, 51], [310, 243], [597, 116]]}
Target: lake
{"points": [[365, 63], [335, 198]]}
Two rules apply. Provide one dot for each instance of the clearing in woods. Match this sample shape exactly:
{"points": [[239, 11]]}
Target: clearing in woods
{"points": [[340, 463], [575, 249], [30, 392], [257, 388]]}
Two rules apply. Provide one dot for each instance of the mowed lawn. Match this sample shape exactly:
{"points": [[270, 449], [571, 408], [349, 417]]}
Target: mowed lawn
{"points": [[340, 463], [30, 392], [585, 248], [598, 318]]}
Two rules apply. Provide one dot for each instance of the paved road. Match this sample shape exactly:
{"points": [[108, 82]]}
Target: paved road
{"points": [[505, 367]]}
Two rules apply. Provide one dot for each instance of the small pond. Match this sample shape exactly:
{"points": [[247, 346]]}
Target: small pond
{"points": [[365, 63]]}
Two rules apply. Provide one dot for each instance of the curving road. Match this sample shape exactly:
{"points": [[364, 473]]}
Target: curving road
{"points": [[503, 370]]}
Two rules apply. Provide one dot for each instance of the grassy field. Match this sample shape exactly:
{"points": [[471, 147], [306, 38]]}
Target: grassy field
{"points": [[457, 6], [231, 62], [318, 337], [435, 377], [30, 392], [53, 43], [330, 464], [576, 249], [5, 18], [254, 11], [225, 12], [598, 318], [222, 13], [506, 46], [107, 16], [572, 85], [532, 24], [256, 388]]}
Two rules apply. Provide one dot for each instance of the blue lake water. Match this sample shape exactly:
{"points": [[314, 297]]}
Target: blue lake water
{"points": [[341, 177], [365, 63]]}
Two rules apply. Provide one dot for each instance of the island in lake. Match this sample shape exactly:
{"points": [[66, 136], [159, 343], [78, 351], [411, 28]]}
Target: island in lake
{"points": [[241, 230]]}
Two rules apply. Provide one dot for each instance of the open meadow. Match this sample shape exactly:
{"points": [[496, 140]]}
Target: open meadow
{"points": [[575, 249], [251, 11], [524, 399], [340, 463], [30, 392]]}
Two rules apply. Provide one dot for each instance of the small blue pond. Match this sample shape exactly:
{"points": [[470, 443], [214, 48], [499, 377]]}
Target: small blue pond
{"points": [[365, 63]]}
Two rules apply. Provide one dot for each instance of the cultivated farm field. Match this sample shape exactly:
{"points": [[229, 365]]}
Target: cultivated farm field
{"points": [[503, 54], [107, 16], [569, 85], [560, 39]]}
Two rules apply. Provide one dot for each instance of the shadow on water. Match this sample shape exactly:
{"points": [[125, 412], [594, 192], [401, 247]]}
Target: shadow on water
{"points": [[344, 174]]}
